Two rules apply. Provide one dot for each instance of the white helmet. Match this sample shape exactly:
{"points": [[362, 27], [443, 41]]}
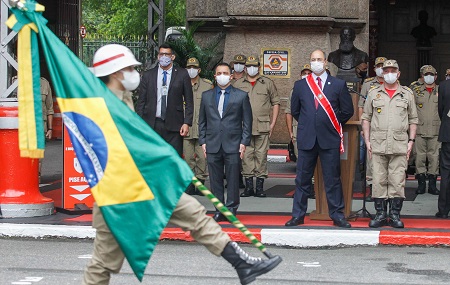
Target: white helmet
{"points": [[111, 58]]}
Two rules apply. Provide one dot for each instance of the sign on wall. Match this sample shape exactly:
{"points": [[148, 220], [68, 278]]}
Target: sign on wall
{"points": [[276, 62]]}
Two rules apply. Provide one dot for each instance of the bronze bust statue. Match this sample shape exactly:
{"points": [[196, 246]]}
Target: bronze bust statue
{"points": [[423, 33], [347, 57]]}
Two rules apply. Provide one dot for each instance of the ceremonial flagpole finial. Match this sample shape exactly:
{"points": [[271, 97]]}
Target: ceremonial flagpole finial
{"points": [[16, 4]]}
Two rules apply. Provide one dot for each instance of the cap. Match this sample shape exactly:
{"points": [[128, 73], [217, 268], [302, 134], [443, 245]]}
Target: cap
{"points": [[192, 62], [252, 60], [379, 60], [428, 69], [447, 72], [306, 66], [390, 63], [239, 58]]}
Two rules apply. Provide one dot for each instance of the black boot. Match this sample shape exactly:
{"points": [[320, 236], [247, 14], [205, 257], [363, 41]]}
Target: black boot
{"points": [[432, 184], [241, 181], [190, 190], [421, 178], [247, 267], [260, 188], [198, 192], [380, 218], [395, 206], [248, 188]]}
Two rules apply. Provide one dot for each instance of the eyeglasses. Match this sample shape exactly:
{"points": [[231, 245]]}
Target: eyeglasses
{"points": [[317, 59], [164, 53]]}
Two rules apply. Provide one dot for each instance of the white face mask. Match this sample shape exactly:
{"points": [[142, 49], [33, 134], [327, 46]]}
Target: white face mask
{"points": [[193, 72], [317, 66], [131, 80], [379, 71], [239, 67], [429, 79], [390, 78], [252, 71], [223, 79], [304, 76]]}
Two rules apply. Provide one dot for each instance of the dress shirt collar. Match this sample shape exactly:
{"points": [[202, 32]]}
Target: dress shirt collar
{"points": [[227, 90], [323, 77], [169, 71]]}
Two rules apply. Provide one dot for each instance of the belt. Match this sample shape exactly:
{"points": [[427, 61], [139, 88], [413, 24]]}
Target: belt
{"points": [[159, 119]]}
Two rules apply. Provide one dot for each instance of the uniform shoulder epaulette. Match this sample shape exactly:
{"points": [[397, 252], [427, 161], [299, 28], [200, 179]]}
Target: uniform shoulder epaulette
{"points": [[262, 78], [406, 88], [207, 80], [369, 79]]}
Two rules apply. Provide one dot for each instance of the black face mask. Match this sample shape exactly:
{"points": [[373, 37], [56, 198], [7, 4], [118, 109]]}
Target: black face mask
{"points": [[361, 74]]}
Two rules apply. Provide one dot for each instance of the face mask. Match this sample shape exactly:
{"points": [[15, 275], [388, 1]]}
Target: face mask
{"points": [[447, 77], [165, 60], [379, 71], [390, 78], [130, 80], [223, 79], [252, 71], [193, 72], [238, 67], [429, 79], [304, 76], [317, 67]]}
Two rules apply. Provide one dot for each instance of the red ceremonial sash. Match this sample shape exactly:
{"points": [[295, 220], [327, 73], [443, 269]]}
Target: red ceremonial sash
{"points": [[323, 101]]}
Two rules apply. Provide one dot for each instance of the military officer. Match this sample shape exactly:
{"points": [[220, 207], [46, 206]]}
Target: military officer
{"points": [[427, 145], [420, 81], [192, 151], [263, 97], [389, 113], [238, 67], [368, 84]]}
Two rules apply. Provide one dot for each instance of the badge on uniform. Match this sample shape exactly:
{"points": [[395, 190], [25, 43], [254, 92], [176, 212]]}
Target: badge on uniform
{"points": [[320, 96], [164, 91], [378, 97], [420, 105], [379, 110]]}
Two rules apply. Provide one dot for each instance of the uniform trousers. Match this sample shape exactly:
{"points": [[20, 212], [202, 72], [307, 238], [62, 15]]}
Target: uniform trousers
{"points": [[195, 158], [427, 148], [189, 214], [444, 194], [388, 178], [254, 163]]}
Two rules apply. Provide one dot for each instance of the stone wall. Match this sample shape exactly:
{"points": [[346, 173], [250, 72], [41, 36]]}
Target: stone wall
{"points": [[301, 26]]}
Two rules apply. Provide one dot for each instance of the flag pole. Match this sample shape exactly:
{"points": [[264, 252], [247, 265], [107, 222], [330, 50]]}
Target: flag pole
{"points": [[232, 218]]}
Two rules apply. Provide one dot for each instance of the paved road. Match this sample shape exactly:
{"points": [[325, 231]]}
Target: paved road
{"points": [[61, 262]]}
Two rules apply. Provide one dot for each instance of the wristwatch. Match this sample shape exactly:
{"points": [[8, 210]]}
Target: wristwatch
{"points": [[411, 140]]}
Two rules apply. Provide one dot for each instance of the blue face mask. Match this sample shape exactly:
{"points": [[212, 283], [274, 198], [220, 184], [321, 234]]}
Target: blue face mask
{"points": [[165, 60]]}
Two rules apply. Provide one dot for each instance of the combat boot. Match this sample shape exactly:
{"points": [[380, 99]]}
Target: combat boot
{"points": [[395, 206], [248, 191], [198, 192], [421, 178], [247, 267], [380, 218], [432, 189], [260, 188]]}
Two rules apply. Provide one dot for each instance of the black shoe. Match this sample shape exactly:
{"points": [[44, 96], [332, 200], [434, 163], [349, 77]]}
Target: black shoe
{"points": [[248, 267], [218, 217], [295, 222], [441, 216], [432, 185], [249, 191], [260, 188], [342, 223], [422, 184]]}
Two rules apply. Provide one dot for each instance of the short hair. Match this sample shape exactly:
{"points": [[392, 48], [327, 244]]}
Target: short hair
{"points": [[222, 64], [167, 46], [105, 79]]}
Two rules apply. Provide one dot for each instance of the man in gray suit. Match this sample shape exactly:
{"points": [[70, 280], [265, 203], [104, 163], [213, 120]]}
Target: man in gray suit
{"points": [[225, 123]]}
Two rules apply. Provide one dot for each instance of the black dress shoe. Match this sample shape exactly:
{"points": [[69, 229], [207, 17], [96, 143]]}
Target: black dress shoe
{"points": [[295, 222], [342, 223], [218, 217], [441, 216]]}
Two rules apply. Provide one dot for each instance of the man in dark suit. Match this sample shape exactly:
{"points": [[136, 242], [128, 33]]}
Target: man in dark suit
{"points": [[225, 123], [165, 99], [318, 137], [444, 138]]}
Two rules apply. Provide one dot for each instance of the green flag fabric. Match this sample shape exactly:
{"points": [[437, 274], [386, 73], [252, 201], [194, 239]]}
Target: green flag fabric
{"points": [[135, 176]]}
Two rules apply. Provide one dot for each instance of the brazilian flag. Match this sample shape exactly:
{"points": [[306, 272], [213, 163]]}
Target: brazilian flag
{"points": [[135, 176]]}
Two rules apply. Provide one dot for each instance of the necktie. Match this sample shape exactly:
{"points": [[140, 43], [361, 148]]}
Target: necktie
{"points": [[164, 96], [319, 82], [221, 101]]}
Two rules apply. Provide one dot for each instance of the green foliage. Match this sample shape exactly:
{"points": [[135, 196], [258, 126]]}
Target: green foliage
{"points": [[208, 55], [127, 17]]}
